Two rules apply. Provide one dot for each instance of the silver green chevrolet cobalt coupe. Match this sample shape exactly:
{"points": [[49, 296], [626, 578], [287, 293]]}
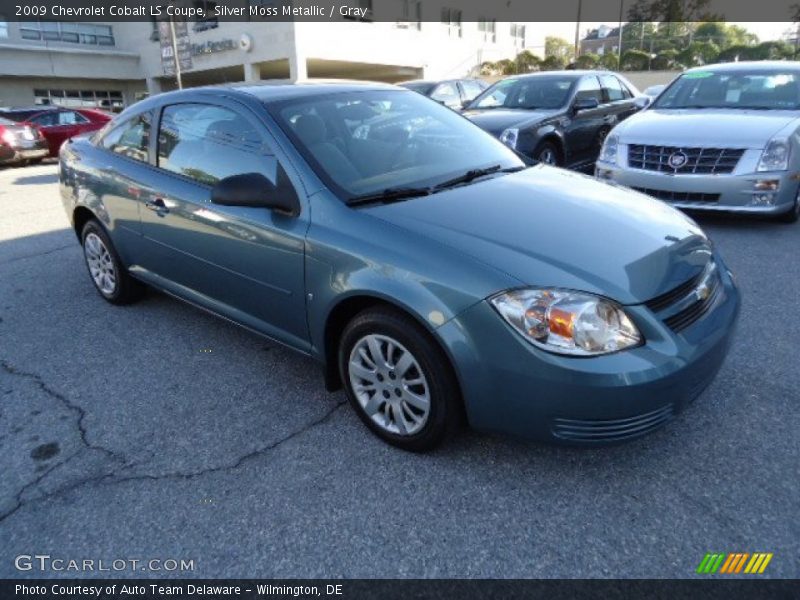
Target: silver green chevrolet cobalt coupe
{"points": [[421, 262]]}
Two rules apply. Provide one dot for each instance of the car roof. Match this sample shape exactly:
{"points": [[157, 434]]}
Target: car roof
{"points": [[751, 65], [274, 91], [570, 72]]}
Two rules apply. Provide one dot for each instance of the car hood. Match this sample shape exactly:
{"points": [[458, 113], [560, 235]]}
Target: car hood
{"points": [[554, 228], [496, 120], [725, 128]]}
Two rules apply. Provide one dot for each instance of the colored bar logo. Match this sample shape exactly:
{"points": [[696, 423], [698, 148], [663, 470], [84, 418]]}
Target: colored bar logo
{"points": [[734, 563]]}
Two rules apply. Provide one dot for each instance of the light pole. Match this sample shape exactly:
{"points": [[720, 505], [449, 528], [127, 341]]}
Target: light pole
{"points": [[578, 29]]}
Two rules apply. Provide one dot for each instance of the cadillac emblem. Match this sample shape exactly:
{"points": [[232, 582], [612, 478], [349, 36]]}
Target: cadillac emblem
{"points": [[677, 159]]}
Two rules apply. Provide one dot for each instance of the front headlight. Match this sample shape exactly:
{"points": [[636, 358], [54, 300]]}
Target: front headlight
{"points": [[509, 137], [608, 153], [775, 156], [568, 322]]}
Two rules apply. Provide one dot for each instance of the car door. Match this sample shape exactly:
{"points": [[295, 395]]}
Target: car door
{"points": [[583, 127], [243, 262], [618, 98]]}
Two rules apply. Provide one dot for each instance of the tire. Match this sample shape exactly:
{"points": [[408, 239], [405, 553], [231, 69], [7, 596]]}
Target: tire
{"points": [[793, 214], [380, 393], [108, 274], [548, 153]]}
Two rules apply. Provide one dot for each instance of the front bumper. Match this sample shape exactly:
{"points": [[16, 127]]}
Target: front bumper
{"points": [[510, 386], [734, 192]]}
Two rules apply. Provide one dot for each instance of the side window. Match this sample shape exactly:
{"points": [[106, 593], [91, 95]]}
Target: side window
{"points": [[208, 143], [130, 138], [46, 119], [589, 87], [70, 118], [612, 87], [471, 89], [446, 93]]}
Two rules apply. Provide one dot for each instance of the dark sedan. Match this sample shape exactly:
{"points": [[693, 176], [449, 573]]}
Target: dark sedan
{"points": [[559, 117], [453, 93], [58, 124], [20, 144]]}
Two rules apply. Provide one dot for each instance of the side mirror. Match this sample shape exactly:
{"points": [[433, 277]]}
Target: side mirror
{"points": [[642, 101], [256, 191], [585, 104]]}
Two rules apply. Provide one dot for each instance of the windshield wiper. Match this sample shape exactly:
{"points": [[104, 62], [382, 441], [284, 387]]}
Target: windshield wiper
{"points": [[473, 174], [390, 195]]}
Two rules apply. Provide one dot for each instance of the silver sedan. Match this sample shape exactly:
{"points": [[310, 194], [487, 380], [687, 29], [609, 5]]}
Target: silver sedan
{"points": [[719, 138]]}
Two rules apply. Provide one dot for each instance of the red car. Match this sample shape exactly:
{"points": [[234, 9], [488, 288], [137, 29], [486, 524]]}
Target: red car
{"points": [[58, 124]]}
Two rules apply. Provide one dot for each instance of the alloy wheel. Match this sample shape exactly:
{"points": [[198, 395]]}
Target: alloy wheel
{"points": [[101, 264], [389, 384]]}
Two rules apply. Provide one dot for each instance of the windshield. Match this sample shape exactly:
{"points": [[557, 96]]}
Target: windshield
{"points": [[364, 143], [545, 91], [762, 90]]}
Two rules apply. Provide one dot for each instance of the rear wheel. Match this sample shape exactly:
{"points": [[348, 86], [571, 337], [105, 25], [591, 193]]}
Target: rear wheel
{"points": [[547, 153], [108, 274], [398, 380]]}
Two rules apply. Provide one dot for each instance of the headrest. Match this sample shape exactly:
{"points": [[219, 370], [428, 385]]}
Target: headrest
{"points": [[311, 129]]}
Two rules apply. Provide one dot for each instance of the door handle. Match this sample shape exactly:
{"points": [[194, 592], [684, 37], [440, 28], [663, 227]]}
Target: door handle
{"points": [[157, 206]]}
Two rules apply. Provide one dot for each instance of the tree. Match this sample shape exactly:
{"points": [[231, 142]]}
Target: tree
{"points": [[635, 60], [665, 60], [526, 62], [553, 63], [698, 53], [609, 61], [559, 48], [587, 61], [724, 35]]}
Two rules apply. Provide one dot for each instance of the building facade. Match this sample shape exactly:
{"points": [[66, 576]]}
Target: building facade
{"points": [[603, 40], [113, 64]]}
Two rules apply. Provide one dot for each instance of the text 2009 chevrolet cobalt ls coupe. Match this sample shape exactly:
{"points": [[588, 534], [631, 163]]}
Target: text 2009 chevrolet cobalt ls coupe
{"points": [[409, 252]]}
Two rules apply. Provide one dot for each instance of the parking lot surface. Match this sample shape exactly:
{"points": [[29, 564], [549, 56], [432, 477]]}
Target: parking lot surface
{"points": [[156, 431]]}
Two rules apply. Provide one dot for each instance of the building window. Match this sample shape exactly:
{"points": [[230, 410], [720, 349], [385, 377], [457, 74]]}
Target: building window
{"points": [[104, 99], [488, 30], [410, 15], [362, 4], [451, 18], [73, 33], [518, 35]]}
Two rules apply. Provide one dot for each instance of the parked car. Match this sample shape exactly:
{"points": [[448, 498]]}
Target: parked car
{"points": [[428, 271], [20, 144], [557, 117], [719, 138], [453, 93], [58, 124]]}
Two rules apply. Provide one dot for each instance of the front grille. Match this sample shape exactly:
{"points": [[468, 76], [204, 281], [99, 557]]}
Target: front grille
{"points": [[669, 196], [692, 313], [609, 430], [689, 160], [663, 301]]}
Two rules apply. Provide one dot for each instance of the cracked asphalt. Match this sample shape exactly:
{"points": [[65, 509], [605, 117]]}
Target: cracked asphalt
{"points": [[156, 431]]}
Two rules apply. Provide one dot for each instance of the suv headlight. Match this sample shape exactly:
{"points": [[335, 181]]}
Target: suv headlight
{"points": [[509, 137], [775, 156], [566, 322], [608, 153]]}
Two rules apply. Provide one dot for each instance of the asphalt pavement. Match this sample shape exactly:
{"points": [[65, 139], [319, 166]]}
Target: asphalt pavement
{"points": [[156, 431]]}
